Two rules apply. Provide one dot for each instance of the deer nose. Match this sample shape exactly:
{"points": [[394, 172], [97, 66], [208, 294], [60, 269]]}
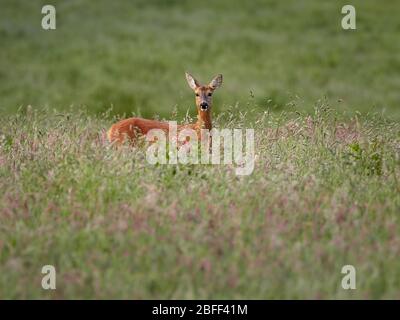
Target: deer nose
{"points": [[204, 105]]}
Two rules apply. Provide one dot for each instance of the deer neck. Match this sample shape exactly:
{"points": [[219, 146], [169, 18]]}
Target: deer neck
{"points": [[204, 120]]}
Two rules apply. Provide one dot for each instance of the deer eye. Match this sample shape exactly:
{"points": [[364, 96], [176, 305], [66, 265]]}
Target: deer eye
{"points": [[209, 94], [197, 94]]}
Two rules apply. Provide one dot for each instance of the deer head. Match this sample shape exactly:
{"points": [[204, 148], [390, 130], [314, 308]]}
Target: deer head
{"points": [[204, 95]]}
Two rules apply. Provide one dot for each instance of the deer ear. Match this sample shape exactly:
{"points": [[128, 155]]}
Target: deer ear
{"points": [[192, 81], [216, 82]]}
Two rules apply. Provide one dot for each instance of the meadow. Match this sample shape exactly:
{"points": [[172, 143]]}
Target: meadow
{"points": [[325, 188]]}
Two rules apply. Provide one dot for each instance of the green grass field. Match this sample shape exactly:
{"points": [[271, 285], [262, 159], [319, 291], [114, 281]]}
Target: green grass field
{"points": [[324, 193]]}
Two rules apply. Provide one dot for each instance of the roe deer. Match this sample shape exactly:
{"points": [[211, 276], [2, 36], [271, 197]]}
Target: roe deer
{"points": [[132, 127]]}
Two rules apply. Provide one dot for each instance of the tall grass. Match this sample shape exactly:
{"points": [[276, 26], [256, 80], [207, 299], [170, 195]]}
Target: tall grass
{"points": [[324, 193]]}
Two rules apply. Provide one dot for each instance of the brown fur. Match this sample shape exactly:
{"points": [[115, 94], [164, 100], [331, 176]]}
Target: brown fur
{"points": [[133, 127]]}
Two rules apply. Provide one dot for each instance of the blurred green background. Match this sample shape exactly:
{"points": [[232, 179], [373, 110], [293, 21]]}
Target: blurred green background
{"points": [[132, 55]]}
